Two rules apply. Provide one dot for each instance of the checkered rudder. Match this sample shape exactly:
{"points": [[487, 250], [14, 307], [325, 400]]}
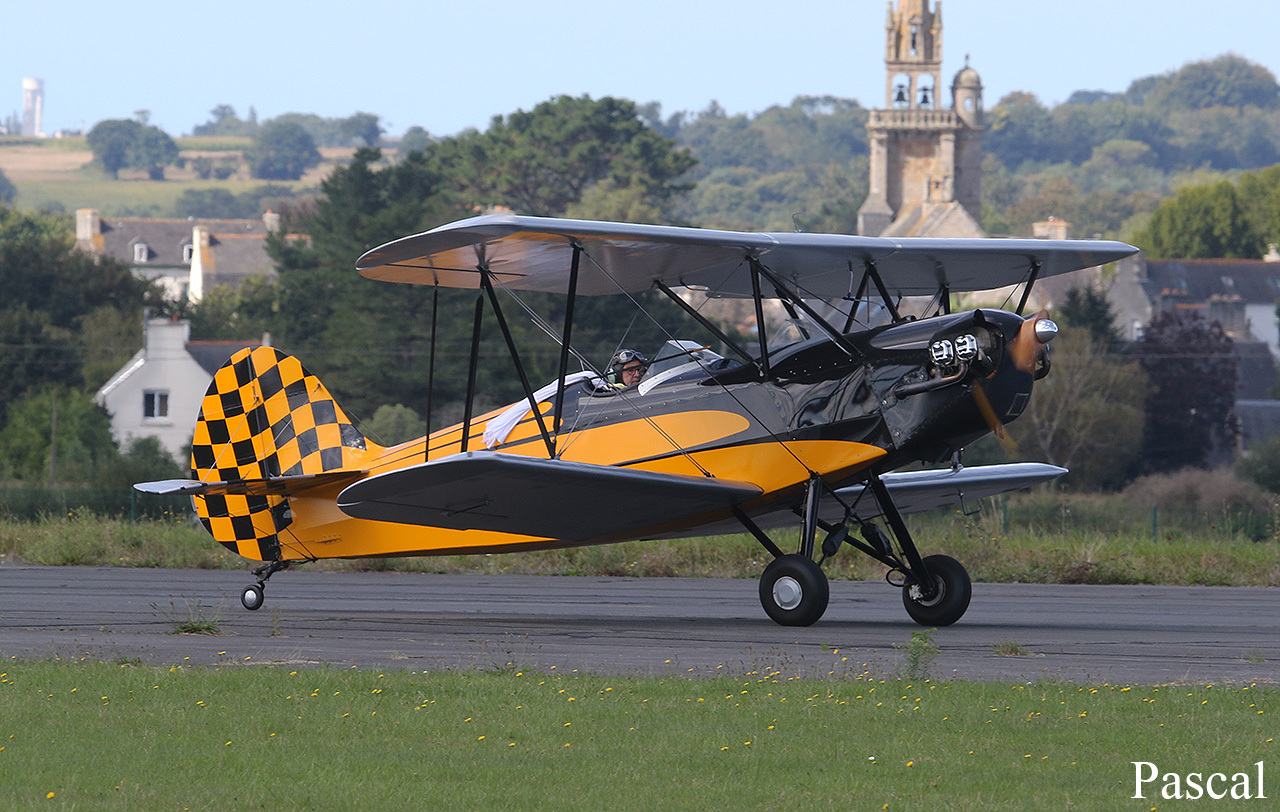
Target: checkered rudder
{"points": [[265, 416]]}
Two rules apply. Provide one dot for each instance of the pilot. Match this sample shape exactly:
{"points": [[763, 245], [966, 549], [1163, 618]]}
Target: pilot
{"points": [[626, 368]]}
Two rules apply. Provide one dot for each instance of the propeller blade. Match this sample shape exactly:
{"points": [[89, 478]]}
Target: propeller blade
{"points": [[1006, 440], [1027, 348]]}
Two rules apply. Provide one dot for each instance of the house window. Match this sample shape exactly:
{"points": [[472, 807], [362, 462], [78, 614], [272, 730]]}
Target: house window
{"points": [[141, 252], [188, 251], [155, 404]]}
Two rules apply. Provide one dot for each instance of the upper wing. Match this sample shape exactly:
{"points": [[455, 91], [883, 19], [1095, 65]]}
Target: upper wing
{"points": [[507, 493], [535, 253]]}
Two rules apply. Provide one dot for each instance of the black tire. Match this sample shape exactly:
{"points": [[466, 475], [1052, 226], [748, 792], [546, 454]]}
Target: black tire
{"points": [[252, 597], [954, 592], [794, 591]]}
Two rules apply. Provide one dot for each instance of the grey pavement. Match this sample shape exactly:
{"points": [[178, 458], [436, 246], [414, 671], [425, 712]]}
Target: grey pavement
{"points": [[687, 626]]}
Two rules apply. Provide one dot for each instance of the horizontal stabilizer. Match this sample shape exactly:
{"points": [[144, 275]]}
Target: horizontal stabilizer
{"points": [[914, 491], [276, 486], [507, 493]]}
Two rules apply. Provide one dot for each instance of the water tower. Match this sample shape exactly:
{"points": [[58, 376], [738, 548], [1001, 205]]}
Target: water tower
{"points": [[33, 107]]}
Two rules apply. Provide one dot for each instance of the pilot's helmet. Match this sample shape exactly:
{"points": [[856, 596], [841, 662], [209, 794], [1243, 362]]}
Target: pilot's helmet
{"points": [[622, 358]]}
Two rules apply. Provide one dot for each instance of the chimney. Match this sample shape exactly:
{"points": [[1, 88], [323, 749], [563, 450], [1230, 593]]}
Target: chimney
{"points": [[1055, 228], [89, 230], [1273, 253], [202, 262], [271, 220]]}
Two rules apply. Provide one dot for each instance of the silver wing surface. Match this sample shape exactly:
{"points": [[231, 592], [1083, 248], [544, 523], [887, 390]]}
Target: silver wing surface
{"points": [[275, 486], [914, 491], [506, 493], [535, 254]]}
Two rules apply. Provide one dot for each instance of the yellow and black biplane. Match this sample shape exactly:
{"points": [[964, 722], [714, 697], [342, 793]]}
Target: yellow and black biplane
{"points": [[807, 426]]}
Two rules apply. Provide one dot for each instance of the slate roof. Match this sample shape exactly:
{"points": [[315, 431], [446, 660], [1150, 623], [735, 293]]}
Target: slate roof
{"points": [[211, 355], [238, 248], [165, 237], [236, 256], [1255, 370], [1198, 280], [934, 220], [1259, 420]]}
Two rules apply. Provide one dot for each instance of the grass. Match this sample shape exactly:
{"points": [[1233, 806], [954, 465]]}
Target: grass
{"points": [[125, 197], [1038, 538], [193, 618], [1009, 648], [118, 736], [918, 654], [56, 173], [88, 540]]}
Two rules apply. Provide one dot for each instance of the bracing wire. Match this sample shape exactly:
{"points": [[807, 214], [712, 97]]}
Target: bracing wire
{"points": [[723, 388]]}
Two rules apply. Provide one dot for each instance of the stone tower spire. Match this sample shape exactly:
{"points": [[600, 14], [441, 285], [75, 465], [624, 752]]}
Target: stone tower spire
{"points": [[926, 161], [913, 55]]}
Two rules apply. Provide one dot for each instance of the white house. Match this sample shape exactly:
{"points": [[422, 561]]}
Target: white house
{"points": [[158, 393]]}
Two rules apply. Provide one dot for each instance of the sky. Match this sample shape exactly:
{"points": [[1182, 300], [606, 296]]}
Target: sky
{"points": [[446, 65]]}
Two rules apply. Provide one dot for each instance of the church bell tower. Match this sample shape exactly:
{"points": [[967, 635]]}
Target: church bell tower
{"points": [[926, 161]]}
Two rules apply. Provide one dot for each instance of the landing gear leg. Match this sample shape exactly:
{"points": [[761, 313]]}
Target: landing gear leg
{"points": [[937, 589], [793, 588], [253, 595]]}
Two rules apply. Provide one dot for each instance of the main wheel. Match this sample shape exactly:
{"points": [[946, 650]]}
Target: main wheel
{"points": [[952, 598], [794, 591], [252, 597]]}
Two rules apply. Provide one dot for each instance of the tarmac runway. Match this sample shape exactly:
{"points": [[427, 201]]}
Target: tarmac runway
{"points": [[685, 626]]}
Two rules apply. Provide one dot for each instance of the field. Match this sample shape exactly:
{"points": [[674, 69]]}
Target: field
{"points": [[58, 173], [118, 736]]}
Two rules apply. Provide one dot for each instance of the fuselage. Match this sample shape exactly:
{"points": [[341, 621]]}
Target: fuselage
{"points": [[838, 412]]}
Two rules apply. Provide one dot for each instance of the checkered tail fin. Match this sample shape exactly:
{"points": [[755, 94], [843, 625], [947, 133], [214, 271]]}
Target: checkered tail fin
{"points": [[266, 416]]}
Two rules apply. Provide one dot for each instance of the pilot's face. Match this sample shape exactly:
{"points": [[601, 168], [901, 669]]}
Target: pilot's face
{"points": [[632, 373]]}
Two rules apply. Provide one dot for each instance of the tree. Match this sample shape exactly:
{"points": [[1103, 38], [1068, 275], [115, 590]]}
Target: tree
{"points": [[538, 162], [40, 329], [1262, 464], [55, 434], [360, 130], [129, 144], [371, 341], [1087, 414], [1017, 129], [242, 314], [281, 151], [415, 139], [223, 121], [111, 141], [153, 151], [7, 190], [1189, 409], [1089, 309], [1259, 197], [143, 459], [1224, 81], [392, 425], [218, 203], [1200, 222]]}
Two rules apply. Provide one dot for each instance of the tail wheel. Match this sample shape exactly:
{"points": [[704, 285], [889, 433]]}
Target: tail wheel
{"points": [[952, 598], [252, 596], [794, 590]]}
